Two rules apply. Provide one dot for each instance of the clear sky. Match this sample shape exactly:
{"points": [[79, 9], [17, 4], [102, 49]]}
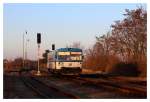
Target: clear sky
{"points": [[61, 24]]}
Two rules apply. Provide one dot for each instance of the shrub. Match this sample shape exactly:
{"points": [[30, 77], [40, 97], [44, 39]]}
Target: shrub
{"points": [[126, 69]]}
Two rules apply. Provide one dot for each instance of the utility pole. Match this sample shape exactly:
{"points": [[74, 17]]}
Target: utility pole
{"points": [[24, 57]]}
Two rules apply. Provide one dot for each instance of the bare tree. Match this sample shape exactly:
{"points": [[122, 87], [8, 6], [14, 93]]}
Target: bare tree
{"points": [[125, 43], [130, 35]]}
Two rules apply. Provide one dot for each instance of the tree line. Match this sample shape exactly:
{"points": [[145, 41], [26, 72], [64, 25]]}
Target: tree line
{"points": [[125, 45]]}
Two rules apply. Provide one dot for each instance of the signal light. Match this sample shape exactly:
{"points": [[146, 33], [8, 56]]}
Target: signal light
{"points": [[38, 38], [53, 46]]}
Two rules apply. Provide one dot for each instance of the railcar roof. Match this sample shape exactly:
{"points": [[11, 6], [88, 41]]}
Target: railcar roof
{"points": [[69, 49]]}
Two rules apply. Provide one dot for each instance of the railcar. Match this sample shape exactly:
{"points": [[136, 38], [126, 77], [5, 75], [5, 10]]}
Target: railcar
{"points": [[65, 61]]}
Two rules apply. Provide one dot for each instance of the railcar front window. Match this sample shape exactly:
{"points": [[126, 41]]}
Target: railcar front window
{"points": [[76, 57], [70, 58]]}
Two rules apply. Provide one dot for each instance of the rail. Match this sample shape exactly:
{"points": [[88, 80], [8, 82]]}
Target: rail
{"points": [[46, 91]]}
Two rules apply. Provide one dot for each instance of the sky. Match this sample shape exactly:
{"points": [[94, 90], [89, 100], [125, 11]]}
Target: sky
{"points": [[59, 24]]}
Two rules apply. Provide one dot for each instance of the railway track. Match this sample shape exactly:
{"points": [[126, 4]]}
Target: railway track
{"points": [[127, 88], [46, 91], [135, 81]]}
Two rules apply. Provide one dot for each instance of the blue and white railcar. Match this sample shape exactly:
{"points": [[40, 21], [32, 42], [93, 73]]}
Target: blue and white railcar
{"points": [[65, 60]]}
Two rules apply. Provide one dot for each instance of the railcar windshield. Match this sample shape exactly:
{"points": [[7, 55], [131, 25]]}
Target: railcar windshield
{"points": [[69, 56]]}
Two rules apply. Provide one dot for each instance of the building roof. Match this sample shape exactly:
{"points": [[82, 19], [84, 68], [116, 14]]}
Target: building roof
{"points": [[69, 49]]}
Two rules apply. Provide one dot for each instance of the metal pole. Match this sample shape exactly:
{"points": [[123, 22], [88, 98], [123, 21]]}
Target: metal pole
{"points": [[38, 56], [47, 60], [23, 50], [55, 59], [38, 72], [26, 53]]}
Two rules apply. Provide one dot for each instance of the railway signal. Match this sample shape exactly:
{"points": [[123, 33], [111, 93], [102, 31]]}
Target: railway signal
{"points": [[38, 42], [38, 38], [53, 46]]}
